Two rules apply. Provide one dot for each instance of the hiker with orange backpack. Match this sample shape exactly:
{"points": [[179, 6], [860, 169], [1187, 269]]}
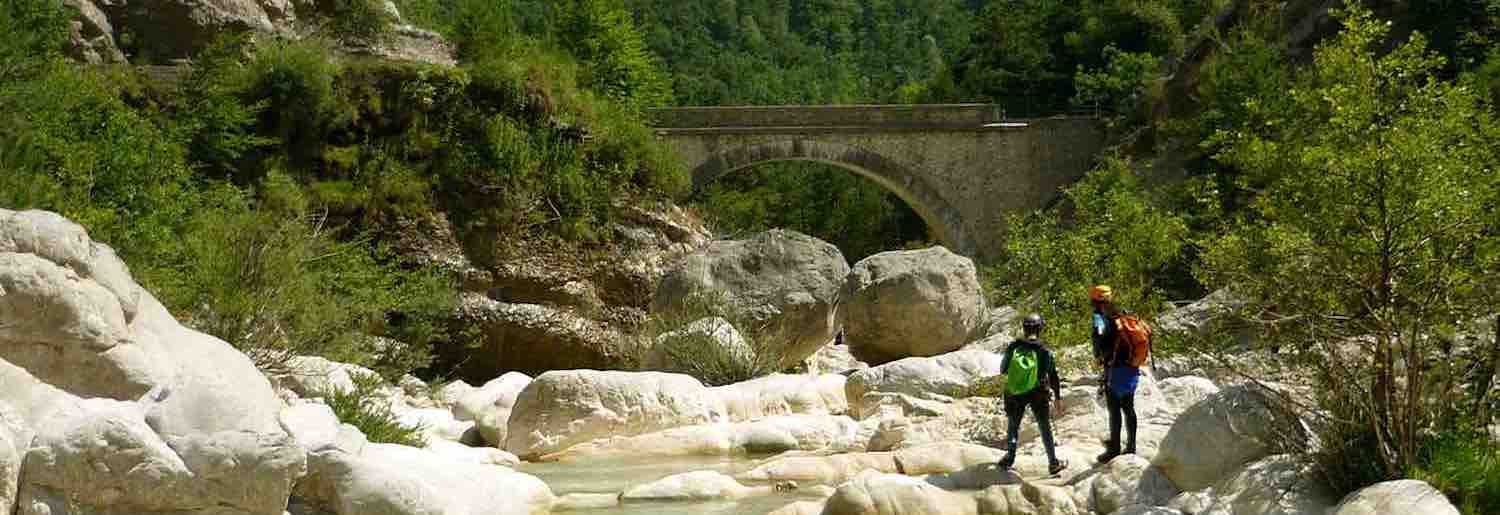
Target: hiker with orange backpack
{"points": [[1122, 344], [1030, 381]]}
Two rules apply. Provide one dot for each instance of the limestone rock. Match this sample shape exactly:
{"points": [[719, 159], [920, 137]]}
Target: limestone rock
{"points": [[767, 435], [103, 454], [489, 406], [11, 454], [691, 486], [800, 508], [177, 29], [1404, 496], [1026, 499], [948, 375], [910, 303], [386, 479], [834, 359], [1274, 485], [786, 281], [784, 394], [73, 324], [1229, 429], [886, 494], [564, 408], [1129, 480], [314, 376], [670, 349], [534, 338]]}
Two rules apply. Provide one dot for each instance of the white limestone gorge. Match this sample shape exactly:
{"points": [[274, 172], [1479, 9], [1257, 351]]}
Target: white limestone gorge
{"points": [[108, 406]]}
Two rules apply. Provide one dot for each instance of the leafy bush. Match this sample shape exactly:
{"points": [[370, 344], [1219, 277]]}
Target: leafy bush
{"points": [[1116, 236], [365, 408], [701, 355], [364, 20], [1466, 468], [278, 284]]}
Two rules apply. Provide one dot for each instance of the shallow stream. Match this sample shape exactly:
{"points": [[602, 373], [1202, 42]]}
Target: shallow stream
{"points": [[614, 475]]}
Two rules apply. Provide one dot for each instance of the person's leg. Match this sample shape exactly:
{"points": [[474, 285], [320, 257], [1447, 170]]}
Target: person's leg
{"points": [[1014, 410], [1112, 447], [1127, 407], [1040, 407]]}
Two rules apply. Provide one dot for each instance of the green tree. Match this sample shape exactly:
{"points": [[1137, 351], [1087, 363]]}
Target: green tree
{"points": [[1373, 234], [618, 65]]}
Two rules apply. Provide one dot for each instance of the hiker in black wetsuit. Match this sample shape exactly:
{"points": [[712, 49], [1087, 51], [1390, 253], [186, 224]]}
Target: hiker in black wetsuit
{"points": [[1031, 379], [1120, 379]]}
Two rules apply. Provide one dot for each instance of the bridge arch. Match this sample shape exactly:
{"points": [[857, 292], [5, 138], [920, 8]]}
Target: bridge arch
{"points": [[943, 220]]}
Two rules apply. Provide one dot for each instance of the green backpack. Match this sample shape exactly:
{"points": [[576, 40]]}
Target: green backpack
{"points": [[1021, 376]]}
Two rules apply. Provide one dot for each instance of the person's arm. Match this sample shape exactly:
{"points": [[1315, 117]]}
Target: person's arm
{"points": [[1005, 358], [1055, 378]]}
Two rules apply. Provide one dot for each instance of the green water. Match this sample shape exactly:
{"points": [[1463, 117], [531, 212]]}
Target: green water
{"points": [[614, 475]]}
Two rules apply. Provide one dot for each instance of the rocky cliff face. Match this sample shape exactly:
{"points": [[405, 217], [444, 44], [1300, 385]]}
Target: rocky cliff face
{"points": [[536, 305], [171, 31]]}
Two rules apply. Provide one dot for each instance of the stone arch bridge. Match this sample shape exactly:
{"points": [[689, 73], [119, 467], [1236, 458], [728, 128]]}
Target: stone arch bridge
{"points": [[961, 167]]}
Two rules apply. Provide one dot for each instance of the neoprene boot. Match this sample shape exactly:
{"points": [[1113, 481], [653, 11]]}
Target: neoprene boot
{"points": [[1008, 460], [1056, 466]]}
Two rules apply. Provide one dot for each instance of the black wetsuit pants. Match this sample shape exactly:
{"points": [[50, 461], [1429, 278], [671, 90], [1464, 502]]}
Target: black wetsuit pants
{"points": [[1121, 407], [1015, 408]]}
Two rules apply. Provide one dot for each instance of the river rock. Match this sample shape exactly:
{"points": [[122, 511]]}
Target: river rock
{"points": [[946, 376], [784, 394], [489, 406], [889, 494], [910, 303], [11, 454], [1128, 480], [190, 405], [1404, 496], [712, 337], [534, 338], [102, 453], [387, 479], [315, 376], [1229, 429], [1274, 485], [800, 508], [1026, 499], [767, 435], [834, 359], [560, 409], [691, 486], [784, 281]]}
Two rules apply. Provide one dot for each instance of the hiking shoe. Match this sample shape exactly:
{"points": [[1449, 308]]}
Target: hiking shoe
{"points": [[1108, 455], [1057, 466], [1129, 449], [1007, 461]]}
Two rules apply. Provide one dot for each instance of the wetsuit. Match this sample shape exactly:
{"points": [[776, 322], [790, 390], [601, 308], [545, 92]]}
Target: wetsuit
{"points": [[1037, 398]]}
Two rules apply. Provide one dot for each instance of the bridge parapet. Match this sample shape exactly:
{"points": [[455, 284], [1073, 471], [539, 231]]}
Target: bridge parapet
{"points": [[934, 116]]}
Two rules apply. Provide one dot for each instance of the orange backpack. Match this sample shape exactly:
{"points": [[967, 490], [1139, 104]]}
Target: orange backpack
{"points": [[1135, 334]]}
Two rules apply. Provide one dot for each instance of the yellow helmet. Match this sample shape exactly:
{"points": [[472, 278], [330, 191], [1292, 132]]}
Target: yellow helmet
{"points": [[1101, 293]]}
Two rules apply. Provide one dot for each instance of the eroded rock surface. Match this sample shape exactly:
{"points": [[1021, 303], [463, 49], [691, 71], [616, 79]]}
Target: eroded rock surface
{"points": [[911, 303]]}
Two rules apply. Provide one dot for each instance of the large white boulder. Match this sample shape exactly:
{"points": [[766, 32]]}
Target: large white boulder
{"points": [[942, 377], [11, 454], [910, 303], [564, 408], [1405, 496], [489, 406], [1274, 485], [691, 486], [890, 494], [104, 454], [784, 394], [1129, 480], [73, 324], [315, 376], [1217, 436], [1027, 498], [767, 435], [387, 479], [785, 281]]}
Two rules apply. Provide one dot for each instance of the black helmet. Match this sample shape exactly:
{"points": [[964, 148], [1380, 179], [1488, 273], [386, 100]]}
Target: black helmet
{"points": [[1033, 322]]}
